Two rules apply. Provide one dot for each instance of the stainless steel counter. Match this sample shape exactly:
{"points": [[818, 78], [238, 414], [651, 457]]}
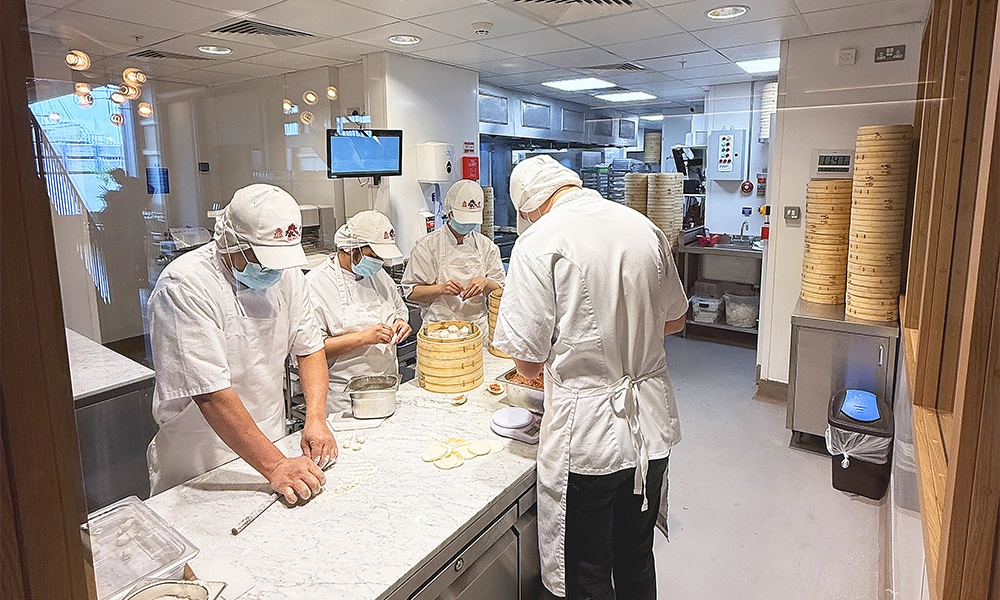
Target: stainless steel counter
{"points": [[832, 317]]}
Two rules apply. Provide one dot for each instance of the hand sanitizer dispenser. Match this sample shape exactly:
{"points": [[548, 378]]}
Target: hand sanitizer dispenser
{"points": [[435, 162]]}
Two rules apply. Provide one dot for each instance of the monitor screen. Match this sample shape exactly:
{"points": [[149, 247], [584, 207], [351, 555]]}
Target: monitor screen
{"points": [[364, 153]]}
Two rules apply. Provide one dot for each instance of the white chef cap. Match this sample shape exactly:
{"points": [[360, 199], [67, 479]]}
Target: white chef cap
{"points": [[535, 179], [369, 228]]}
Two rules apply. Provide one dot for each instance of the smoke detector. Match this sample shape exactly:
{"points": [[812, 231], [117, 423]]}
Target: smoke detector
{"points": [[482, 28]]}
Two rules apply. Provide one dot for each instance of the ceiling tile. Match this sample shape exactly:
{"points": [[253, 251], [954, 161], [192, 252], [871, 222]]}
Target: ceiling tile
{"points": [[679, 62], [207, 78], [893, 12], [511, 66], [188, 44], [717, 80], [292, 61], [741, 34], [465, 53], [380, 37], [535, 42], [752, 51], [98, 35], [636, 25], [691, 15], [677, 43], [815, 5], [232, 8], [248, 68], [167, 14], [324, 17], [153, 69], [411, 9], [547, 75], [579, 59], [688, 73], [39, 11], [337, 49], [562, 13], [459, 22], [627, 78]]}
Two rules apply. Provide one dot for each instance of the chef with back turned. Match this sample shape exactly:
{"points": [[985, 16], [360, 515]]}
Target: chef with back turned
{"points": [[223, 318], [591, 293]]}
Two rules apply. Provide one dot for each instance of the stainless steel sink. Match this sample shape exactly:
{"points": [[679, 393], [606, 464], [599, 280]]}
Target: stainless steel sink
{"points": [[735, 246]]}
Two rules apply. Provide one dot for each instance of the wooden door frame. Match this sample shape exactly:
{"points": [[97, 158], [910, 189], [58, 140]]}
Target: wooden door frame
{"points": [[45, 553]]}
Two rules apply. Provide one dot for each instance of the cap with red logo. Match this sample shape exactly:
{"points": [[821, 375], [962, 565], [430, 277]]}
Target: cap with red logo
{"points": [[465, 200], [369, 228], [267, 219]]}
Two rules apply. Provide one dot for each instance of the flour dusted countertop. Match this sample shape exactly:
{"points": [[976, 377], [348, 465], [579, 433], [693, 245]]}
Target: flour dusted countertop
{"points": [[383, 512], [97, 372]]}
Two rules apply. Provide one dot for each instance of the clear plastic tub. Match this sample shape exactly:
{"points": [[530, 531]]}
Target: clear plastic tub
{"points": [[131, 543], [706, 310], [742, 311]]}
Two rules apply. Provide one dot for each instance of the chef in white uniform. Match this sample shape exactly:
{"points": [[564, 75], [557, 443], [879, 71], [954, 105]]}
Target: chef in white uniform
{"points": [[591, 292], [222, 320], [454, 268], [358, 306]]}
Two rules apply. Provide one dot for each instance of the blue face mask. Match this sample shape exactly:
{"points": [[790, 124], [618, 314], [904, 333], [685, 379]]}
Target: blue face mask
{"points": [[367, 267], [255, 277], [461, 228]]}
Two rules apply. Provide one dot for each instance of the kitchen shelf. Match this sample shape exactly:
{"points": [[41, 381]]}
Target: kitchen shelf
{"points": [[725, 326]]}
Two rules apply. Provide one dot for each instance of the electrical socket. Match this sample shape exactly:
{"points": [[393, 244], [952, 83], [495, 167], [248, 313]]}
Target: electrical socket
{"points": [[793, 213], [847, 56], [890, 53]]}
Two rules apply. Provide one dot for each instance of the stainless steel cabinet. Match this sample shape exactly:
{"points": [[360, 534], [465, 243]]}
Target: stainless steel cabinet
{"points": [[830, 353]]}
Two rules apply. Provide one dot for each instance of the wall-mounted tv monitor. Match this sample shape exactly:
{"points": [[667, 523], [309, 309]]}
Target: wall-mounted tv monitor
{"points": [[364, 153]]}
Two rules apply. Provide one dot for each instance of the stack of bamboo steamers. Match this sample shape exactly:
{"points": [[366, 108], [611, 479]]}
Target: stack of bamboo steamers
{"points": [[854, 229]]}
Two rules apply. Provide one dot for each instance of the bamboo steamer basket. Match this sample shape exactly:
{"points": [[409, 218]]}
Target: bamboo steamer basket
{"points": [[450, 366], [493, 304]]}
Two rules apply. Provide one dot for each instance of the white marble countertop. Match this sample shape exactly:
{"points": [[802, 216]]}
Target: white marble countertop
{"points": [[382, 514], [95, 369]]}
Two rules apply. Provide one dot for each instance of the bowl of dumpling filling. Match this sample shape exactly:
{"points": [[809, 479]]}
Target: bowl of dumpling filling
{"points": [[524, 392]]}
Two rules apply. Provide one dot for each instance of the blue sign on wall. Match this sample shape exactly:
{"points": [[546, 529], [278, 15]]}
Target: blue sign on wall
{"points": [[157, 181]]}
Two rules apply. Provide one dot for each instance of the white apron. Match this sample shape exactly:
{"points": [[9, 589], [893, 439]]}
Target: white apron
{"points": [[186, 446], [562, 403], [376, 359], [463, 265]]}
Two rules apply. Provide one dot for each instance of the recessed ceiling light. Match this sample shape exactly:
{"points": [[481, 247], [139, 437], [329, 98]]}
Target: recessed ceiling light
{"points": [[216, 50], [727, 12], [579, 85], [652, 117], [331, 93], [404, 40], [625, 96], [760, 65]]}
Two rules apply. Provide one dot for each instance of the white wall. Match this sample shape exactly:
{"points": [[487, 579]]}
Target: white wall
{"points": [[430, 102], [735, 106], [821, 105]]}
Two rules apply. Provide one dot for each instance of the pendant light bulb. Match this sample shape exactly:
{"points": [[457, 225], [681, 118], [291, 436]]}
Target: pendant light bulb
{"points": [[331, 93], [144, 109], [78, 60], [286, 106]]}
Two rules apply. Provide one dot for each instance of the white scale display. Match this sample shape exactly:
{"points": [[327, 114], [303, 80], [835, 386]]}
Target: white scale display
{"points": [[726, 153], [832, 164]]}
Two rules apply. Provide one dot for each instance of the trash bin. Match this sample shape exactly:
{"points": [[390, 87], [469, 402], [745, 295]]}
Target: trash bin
{"points": [[859, 440]]}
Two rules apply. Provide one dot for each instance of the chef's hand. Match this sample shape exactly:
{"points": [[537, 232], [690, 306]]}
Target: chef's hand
{"points": [[318, 443], [451, 288], [475, 288], [401, 330], [378, 334], [296, 478]]}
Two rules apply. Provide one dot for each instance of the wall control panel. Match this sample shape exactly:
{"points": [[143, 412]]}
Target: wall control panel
{"points": [[725, 155]]}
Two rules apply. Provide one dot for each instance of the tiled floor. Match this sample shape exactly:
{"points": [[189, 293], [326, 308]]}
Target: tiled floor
{"points": [[751, 518]]}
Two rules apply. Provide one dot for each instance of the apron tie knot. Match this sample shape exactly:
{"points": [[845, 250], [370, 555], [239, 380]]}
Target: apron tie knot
{"points": [[625, 405]]}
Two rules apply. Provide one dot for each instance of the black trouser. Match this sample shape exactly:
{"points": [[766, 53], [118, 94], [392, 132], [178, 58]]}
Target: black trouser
{"points": [[608, 533]]}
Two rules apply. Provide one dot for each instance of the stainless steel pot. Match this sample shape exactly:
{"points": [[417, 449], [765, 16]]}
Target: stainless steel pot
{"points": [[373, 396], [523, 396]]}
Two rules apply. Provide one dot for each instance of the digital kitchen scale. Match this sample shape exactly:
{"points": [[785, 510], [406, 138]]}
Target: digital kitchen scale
{"points": [[517, 424]]}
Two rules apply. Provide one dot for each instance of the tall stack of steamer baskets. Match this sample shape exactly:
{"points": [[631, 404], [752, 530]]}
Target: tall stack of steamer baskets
{"points": [[659, 196], [854, 229]]}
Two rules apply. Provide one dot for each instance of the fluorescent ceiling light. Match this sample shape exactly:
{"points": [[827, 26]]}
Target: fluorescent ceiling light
{"points": [[652, 117], [217, 50], [727, 12], [760, 65], [579, 85], [404, 40], [625, 96]]}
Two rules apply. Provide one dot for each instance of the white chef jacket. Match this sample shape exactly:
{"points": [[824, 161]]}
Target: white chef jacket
{"points": [[590, 286], [345, 304], [439, 257], [208, 333]]}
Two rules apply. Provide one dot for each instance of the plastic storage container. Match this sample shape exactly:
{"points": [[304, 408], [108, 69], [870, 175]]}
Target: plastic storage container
{"points": [[706, 310], [131, 543], [742, 311], [859, 439]]}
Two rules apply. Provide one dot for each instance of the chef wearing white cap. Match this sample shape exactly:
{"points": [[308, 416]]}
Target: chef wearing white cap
{"points": [[222, 320], [454, 268], [358, 306], [591, 292]]}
